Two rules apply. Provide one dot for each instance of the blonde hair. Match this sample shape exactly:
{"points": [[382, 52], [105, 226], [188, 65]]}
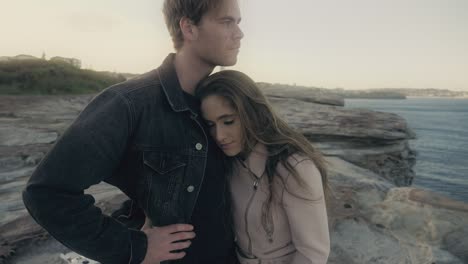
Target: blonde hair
{"points": [[175, 10]]}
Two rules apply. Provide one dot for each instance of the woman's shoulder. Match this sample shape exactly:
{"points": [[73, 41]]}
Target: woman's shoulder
{"points": [[308, 175], [300, 163], [299, 160]]}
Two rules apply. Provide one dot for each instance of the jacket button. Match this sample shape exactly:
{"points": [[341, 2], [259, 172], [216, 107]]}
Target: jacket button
{"points": [[198, 146], [190, 188]]}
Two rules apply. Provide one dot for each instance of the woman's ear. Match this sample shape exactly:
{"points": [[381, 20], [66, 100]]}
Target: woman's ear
{"points": [[189, 29]]}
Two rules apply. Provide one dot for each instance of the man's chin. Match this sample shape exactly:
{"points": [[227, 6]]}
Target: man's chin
{"points": [[229, 63]]}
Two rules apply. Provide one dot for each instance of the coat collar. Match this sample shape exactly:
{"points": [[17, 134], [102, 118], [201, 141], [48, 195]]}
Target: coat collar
{"points": [[256, 161], [171, 86]]}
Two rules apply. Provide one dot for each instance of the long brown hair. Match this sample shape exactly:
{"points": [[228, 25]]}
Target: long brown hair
{"points": [[260, 123]]}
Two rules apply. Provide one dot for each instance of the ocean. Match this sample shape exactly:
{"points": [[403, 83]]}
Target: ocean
{"points": [[441, 127]]}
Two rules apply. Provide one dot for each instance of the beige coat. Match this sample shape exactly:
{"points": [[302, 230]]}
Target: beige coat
{"points": [[296, 231]]}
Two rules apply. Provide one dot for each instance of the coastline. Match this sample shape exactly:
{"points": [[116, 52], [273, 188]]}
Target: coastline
{"points": [[369, 159], [408, 97], [441, 143], [436, 97]]}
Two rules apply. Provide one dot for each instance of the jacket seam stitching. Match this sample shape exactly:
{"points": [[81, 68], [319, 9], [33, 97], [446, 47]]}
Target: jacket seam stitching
{"points": [[129, 109], [131, 247], [289, 175]]}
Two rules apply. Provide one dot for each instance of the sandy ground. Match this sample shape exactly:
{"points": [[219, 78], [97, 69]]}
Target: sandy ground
{"points": [[39, 252]]}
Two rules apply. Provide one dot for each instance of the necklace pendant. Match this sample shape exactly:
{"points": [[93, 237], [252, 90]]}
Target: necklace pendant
{"points": [[255, 186]]}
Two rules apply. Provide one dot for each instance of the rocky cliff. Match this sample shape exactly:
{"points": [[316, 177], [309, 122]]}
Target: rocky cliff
{"points": [[373, 219]]}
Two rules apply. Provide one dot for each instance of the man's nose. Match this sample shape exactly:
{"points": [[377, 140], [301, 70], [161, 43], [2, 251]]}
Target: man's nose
{"points": [[238, 34]]}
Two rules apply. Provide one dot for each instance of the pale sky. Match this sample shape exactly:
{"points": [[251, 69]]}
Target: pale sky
{"points": [[354, 44]]}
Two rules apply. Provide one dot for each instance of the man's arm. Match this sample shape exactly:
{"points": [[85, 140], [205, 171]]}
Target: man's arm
{"points": [[87, 153]]}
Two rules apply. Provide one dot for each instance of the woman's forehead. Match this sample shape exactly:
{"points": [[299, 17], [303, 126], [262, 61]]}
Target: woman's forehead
{"points": [[216, 106]]}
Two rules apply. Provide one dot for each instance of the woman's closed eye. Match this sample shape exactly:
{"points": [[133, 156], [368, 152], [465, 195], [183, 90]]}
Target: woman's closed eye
{"points": [[229, 122]]}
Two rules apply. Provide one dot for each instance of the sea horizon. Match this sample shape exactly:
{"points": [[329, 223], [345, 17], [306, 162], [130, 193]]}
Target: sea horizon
{"points": [[440, 125]]}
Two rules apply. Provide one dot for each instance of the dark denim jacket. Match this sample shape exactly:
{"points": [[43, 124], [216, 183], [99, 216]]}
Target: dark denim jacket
{"points": [[138, 135]]}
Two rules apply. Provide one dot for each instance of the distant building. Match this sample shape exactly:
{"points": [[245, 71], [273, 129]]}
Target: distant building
{"points": [[24, 57], [74, 62], [18, 57]]}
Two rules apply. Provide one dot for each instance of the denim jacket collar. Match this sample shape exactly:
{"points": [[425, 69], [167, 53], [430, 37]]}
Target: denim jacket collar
{"points": [[171, 86]]}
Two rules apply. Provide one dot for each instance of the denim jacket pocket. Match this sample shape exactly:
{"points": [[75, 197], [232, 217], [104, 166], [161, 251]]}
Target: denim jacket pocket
{"points": [[164, 178], [162, 163]]}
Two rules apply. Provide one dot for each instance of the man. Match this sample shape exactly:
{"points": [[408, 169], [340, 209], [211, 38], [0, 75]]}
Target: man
{"points": [[146, 137]]}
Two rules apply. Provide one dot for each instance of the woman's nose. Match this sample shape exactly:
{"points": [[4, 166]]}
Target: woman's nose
{"points": [[220, 134]]}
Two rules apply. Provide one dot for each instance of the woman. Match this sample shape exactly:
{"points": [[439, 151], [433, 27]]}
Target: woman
{"points": [[277, 178]]}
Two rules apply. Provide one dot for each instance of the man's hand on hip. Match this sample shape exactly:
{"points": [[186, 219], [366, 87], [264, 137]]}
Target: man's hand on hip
{"points": [[163, 240]]}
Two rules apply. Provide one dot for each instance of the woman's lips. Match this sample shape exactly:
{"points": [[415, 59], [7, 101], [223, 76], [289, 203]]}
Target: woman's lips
{"points": [[225, 146]]}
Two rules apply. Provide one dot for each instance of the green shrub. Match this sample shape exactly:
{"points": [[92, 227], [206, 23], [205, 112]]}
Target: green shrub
{"points": [[48, 77]]}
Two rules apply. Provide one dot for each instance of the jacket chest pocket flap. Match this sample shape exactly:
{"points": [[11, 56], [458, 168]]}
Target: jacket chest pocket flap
{"points": [[163, 163]]}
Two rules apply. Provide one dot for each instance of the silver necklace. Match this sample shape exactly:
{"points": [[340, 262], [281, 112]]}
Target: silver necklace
{"points": [[256, 180]]}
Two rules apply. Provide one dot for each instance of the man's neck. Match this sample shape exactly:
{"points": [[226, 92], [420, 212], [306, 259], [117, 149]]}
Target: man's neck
{"points": [[190, 70]]}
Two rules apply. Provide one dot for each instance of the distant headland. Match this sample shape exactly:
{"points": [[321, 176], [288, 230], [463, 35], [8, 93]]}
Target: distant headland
{"points": [[29, 75], [26, 74], [377, 93]]}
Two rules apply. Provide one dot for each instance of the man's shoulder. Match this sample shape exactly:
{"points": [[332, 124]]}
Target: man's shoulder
{"points": [[146, 84]]}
